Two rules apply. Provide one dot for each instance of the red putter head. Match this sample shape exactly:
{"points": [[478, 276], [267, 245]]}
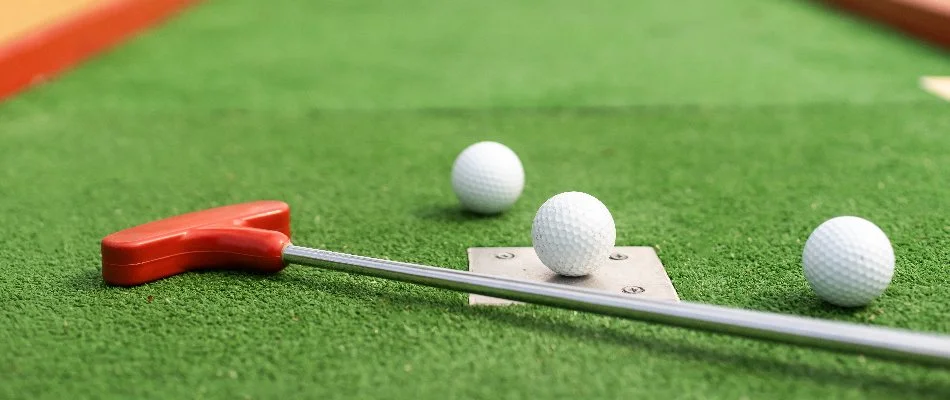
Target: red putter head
{"points": [[249, 236]]}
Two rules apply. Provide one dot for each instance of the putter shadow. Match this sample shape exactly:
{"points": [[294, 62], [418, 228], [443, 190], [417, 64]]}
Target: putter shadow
{"points": [[620, 334], [89, 280]]}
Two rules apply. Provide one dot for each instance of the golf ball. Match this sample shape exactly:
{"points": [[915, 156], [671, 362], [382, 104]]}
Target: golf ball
{"points": [[573, 233], [487, 177], [848, 261]]}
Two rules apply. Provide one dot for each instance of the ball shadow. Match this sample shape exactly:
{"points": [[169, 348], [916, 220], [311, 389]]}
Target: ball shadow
{"points": [[803, 301], [444, 213], [568, 280]]}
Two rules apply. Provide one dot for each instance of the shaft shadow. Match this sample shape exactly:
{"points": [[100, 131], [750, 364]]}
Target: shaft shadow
{"points": [[520, 316], [620, 334]]}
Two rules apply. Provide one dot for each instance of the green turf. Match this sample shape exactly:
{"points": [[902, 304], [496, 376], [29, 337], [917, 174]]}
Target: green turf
{"points": [[413, 53], [721, 136]]}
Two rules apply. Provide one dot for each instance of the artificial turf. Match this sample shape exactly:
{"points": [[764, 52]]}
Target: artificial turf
{"points": [[719, 133]]}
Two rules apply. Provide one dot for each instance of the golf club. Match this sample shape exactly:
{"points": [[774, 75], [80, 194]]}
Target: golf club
{"points": [[256, 236]]}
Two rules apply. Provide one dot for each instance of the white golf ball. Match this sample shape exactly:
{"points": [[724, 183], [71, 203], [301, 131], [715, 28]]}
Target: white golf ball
{"points": [[487, 177], [848, 261], [573, 233]]}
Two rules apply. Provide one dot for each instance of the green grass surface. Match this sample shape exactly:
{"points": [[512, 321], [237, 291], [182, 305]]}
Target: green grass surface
{"points": [[721, 136]]}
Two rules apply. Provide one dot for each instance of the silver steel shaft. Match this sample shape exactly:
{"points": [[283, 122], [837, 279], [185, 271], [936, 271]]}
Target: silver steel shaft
{"points": [[832, 335]]}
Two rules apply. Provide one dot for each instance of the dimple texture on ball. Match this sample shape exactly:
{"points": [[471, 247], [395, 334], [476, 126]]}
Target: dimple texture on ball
{"points": [[848, 261], [487, 177], [573, 233]]}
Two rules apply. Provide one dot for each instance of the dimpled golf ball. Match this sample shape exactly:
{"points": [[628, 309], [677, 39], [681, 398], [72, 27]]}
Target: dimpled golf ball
{"points": [[848, 261], [487, 177], [573, 234]]}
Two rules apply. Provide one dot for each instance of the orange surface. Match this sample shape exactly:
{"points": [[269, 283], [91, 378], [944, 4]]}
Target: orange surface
{"points": [[928, 20], [57, 37], [252, 235], [18, 17]]}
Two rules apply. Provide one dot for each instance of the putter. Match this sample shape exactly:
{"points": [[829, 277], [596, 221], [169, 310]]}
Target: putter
{"points": [[256, 236]]}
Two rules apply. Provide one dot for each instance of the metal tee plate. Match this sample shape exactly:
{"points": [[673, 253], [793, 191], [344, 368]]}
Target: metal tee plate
{"points": [[632, 271]]}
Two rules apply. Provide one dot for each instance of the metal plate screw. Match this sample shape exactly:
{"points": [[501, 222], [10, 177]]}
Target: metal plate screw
{"points": [[633, 289], [618, 256], [504, 256]]}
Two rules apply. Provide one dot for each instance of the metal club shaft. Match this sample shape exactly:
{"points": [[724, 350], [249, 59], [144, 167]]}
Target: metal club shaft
{"points": [[831, 335]]}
